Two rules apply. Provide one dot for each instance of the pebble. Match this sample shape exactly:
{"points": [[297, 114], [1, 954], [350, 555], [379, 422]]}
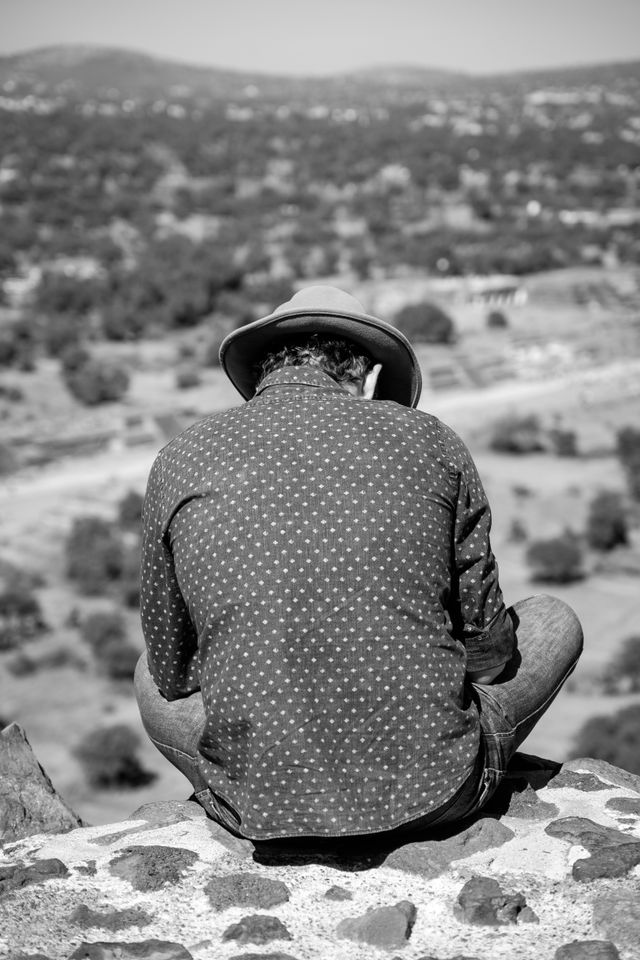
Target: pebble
{"points": [[17, 876], [386, 927], [152, 867], [431, 858], [139, 950], [614, 861], [482, 902], [257, 928], [587, 950], [245, 890]]}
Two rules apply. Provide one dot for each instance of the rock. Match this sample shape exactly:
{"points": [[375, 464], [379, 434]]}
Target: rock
{"points": [[245, 890], [241, 849], [29, 803], [338, 893], [152, 867], [617, 916], [586, 833], [386, 927], [262, 956], [139, 950], [17, 876], [482, 902], [605, 771], [527, 915], [430, 858], [175, 810], [87, 869], [624, 805], [528, 806], [113, 920], [613, 861], [257, 928], [587, 950], [587, 782]]}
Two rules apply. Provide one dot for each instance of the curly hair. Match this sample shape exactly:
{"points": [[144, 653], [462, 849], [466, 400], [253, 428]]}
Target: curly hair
{"points": [[342, 360]]}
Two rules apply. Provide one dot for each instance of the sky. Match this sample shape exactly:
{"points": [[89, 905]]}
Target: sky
{"points": [[331, 36]]}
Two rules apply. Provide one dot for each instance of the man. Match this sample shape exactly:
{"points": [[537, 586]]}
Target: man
{"points": [[328, 649]]}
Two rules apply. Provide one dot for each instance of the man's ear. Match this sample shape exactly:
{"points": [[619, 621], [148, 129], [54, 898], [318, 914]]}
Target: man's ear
{"points": [[370, 382]]}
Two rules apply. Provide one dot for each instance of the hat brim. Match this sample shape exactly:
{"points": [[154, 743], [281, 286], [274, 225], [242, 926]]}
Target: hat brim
{"points": [[400, 379]]}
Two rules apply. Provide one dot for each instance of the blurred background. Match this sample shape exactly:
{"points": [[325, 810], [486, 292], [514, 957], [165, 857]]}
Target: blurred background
{"points": [[469, 171]]}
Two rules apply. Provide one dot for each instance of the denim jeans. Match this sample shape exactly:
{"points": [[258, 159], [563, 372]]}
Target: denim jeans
{"points": [[549, 643]]}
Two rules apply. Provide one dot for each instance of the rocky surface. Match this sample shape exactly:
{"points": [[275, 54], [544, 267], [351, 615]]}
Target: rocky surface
{"points": [[550, 872]]}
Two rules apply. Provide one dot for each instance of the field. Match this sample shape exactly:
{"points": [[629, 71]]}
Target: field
{"points": [[589, 382]]}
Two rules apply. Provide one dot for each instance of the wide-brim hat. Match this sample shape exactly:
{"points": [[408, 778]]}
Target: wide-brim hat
{"points": [[327, 310]]}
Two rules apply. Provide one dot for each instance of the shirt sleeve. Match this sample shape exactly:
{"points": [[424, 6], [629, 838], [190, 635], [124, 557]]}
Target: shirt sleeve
{"points": [[170, 637], [477, 607]]}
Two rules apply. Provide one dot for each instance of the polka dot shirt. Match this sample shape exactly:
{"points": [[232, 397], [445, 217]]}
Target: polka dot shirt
{"points": [[319, 567]]}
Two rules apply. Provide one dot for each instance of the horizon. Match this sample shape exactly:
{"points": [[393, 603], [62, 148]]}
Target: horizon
{"points": [[328, 37], [366, 68]]}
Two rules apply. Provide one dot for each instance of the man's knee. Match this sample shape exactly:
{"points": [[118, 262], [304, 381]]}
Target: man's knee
{"points": [[555, 618]]}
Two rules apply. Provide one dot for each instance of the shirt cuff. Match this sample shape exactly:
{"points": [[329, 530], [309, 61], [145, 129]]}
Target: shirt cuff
{"points": [[492, 646]]}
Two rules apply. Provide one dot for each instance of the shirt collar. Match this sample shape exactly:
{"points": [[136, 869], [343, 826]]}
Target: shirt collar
{"points": [[304, 376]]}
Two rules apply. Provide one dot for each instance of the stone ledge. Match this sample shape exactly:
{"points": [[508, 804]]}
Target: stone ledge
{"points": [[553, 873]]}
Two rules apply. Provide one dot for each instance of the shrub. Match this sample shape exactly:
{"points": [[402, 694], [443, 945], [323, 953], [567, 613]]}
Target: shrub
{"points": [[18, 343], [130, 510], [497, 320], [8, 460], [517, 433], [623, 673], [106, 634], [607, 521], [96, 381], [94, 554], [425, 323], [517, 531], [557, 560], [615, 739], [109, 758], [20, 616], [563, 442], [187, 376]]}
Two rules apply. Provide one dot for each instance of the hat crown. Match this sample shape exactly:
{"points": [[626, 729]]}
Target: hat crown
{"points": [[321, 297]]}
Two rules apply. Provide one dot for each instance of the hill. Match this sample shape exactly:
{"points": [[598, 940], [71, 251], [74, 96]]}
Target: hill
{"points": [[82, 72]]}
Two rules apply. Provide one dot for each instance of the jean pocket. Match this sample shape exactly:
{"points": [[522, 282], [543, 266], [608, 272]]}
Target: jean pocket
{"points": [[498, 738]]}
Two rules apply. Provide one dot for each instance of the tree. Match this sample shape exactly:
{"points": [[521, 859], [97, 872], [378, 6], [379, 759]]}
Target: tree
{"points": [[109, 758], [94, 554], [623, 673], [425, 322], [517, 433], [628, 449], [607, 521], [564, 442], [106, 633], [615, 739], [8, 460], [497, 320], [130, 510], [556, 560], [21, 616], [96, 381]]}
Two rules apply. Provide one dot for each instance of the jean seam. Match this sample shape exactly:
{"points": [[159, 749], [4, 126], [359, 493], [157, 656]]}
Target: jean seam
{"points": [[543, 706], [168, 746]]}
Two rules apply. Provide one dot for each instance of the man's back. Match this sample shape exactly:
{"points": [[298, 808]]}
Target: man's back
{"points": [[313, 541]]}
